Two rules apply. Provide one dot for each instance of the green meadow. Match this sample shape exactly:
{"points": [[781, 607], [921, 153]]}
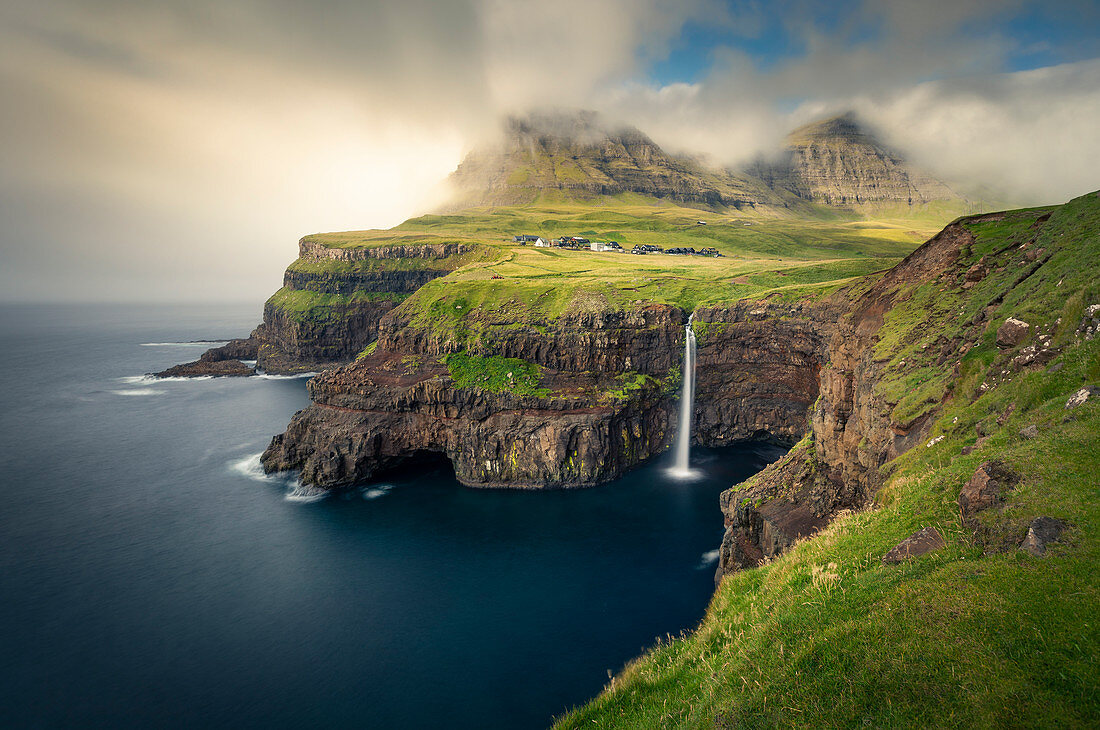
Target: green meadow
{"points": [[762, 255]]}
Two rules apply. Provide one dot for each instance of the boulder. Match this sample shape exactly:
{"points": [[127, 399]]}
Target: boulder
{"points": [[977, 272], [1082, 395], [919, 543], [1012, 332], [1029, 432], [1042, 532], [985, 488]]}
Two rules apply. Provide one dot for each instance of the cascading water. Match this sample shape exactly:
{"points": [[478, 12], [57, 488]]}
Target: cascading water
{"points": [[682, 466]]}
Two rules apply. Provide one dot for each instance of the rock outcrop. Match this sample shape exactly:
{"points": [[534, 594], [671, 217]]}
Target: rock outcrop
{"points": [[837, 162], [221, 361], [577, 428], [919, 543], [852, 430], [582, 156]]}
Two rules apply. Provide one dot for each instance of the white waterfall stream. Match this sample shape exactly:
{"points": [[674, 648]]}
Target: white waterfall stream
{"points": [[682, 467]]}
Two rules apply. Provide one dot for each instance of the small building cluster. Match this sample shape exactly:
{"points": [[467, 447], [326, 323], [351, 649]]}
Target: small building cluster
{"points": [[577, 243]]}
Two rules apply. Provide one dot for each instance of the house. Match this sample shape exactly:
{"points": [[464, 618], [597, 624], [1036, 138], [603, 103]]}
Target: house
{"points": [[525, 239], [542, 243], [709, 252], [700, 223], [600, 246]]}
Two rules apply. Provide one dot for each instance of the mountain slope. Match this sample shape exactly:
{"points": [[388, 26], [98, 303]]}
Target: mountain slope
{"points": [[837, 162], [579, 157]]}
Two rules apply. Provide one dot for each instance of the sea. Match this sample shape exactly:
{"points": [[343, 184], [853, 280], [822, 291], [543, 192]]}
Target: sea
{"points": [[152, 576]]}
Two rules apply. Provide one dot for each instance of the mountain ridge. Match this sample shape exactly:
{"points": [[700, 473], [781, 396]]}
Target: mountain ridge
{"points": [[834, 163]]}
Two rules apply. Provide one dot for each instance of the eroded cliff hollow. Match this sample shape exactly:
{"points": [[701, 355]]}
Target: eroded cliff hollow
{"points": [[758, 368]]}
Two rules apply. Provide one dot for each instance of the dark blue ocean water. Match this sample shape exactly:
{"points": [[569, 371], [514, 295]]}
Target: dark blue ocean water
{"points": [[149, 576]]}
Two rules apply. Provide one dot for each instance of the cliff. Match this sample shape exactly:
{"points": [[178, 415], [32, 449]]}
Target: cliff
{"points": [[580, 156], [837, 162], [545, 404], [926, 553], [596, 396]]}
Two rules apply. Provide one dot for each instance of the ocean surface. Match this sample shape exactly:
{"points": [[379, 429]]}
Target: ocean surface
{"points": [[151, 576]]}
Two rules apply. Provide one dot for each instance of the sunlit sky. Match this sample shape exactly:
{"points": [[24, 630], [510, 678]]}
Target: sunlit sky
{"points": [[177, 150]]}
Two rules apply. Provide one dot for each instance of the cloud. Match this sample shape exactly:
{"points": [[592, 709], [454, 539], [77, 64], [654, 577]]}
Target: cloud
{"points": [[179, 149]]}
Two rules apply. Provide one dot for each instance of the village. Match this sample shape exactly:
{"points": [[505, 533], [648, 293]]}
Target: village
{"points": [[576, 243]]}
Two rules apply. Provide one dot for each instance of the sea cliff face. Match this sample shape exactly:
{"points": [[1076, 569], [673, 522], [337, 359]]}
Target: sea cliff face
{"points": [[605, 401], [896, 355], [570, 404], [331, 304], [758, 369]]}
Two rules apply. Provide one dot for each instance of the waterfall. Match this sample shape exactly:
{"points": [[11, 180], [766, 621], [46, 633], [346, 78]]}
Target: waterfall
{"points": [[682, 467]]}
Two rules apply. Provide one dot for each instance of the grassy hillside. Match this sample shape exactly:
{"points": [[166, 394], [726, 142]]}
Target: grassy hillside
{"points": [[977, 634], [761, 255]]}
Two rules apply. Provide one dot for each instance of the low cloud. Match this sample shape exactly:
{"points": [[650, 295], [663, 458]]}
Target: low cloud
{"points": [[178, 150]]}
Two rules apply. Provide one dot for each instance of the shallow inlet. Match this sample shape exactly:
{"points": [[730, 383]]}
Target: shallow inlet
{"points": [[681, 468]]}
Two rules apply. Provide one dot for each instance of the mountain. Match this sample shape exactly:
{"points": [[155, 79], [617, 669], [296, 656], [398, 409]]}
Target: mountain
{"points": [[577, 155], [837, 162]]}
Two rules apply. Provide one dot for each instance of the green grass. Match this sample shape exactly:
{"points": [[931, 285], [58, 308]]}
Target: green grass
{"points": [[495, 374], [828, 636], [785, 258], [306, 305]]}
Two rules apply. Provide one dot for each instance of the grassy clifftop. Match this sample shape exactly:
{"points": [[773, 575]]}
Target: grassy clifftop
{"points": [[978, 633], [502, 282]]}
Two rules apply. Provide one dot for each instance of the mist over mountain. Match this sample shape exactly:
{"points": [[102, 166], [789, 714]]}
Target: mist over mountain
{"points": [[578, 155], [838, 162]]}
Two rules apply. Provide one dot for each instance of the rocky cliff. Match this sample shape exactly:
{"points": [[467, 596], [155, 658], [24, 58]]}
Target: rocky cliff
{"points": [[758, 364], [837, 162], [553, 404], [579, 155], [945, 323], [601, 399], [330, 306]]}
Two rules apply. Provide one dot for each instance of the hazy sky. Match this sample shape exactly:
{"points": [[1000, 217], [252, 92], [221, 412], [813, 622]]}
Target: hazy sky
{"points": [[177, 150]]}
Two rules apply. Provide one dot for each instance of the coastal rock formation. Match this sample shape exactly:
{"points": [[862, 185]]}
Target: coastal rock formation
{"points": [[331, 304], [570, 426], [224, 360], [854, 428], [607, 380], [758, 369]]}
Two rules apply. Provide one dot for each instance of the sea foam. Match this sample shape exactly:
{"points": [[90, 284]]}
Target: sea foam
{"points": [[295, 491], [709, 558]]}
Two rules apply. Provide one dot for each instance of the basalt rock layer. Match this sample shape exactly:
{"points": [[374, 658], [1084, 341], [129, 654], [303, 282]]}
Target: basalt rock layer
{"points": [[837, 162], [758, 365], [578, 428], [906, 344], [852, 430], [758, 368], [331, 304]]}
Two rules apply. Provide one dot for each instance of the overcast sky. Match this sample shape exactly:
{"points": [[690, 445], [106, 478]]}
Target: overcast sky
{"points": [[177, 150]]}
